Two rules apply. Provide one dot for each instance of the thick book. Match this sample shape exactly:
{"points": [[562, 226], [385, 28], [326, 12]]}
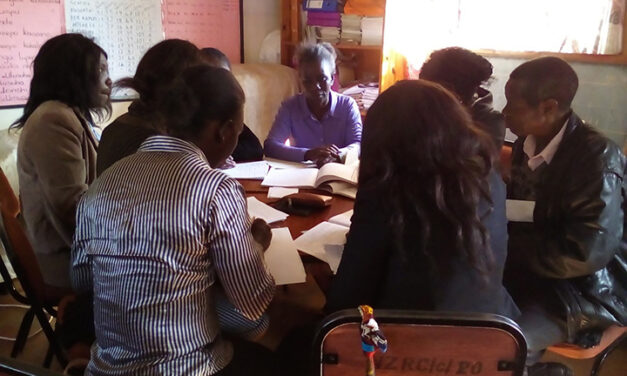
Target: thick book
{"points": [[332, 177]]}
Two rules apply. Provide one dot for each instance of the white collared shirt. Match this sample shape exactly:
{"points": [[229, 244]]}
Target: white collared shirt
{"points": [[547, 154]]}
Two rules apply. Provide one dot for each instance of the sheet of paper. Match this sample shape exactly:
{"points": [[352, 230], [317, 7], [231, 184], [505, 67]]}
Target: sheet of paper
{"points": [[343, 219], [290, 178], [248, 170], [519, 210], [257, 209], [280, 192], [333, 254], [282, 258], [278, 163], [315, 240]]}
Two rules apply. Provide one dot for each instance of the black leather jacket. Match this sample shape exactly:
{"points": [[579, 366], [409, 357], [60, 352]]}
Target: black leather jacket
{"points": [[575, 246]]}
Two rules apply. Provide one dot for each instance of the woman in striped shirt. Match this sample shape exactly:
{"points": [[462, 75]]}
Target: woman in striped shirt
{"points": [[158, 230]]}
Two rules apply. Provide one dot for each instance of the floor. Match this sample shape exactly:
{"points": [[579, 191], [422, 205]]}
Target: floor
{"points": [[293, 305]]}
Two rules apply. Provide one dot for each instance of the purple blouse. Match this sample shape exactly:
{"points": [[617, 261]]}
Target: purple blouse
{"points": [[341, 126]]}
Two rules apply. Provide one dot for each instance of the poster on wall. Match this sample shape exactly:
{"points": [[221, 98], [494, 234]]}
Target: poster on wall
{"points": [[125, 29]]}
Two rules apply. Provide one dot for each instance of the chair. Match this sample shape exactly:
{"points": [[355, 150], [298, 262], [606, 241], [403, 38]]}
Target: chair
{"points": [[41, 298], [613, 338], [422, 343]]}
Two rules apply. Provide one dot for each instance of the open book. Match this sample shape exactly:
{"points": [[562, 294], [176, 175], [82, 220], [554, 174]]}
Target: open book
{"points": [[332, 177]]}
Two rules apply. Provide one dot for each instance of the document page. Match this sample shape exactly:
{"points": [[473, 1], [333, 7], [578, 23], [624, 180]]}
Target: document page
{"points": [[314, 241], [337, 171], [283, 260], [257, 209], [343, 219], [293, 178], [249, 170], [519, 210], [280, 192]]}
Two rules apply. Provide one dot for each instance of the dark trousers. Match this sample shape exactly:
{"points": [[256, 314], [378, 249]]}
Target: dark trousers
{"points": [[250, 358]]}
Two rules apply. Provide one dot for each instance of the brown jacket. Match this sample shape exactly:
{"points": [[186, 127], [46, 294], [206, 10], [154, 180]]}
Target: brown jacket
{"points": [[56, 162]]}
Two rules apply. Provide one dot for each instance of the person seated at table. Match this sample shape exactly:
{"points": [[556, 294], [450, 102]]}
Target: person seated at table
{"points": [[463, 72], [320, 124], [566, 266], [56, 154], [157, 69], [248, 146], [160, 228], [429, 229]]}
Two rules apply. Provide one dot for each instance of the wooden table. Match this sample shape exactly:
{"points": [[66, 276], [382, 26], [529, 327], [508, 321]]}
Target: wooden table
{"points": [[298, 224]]}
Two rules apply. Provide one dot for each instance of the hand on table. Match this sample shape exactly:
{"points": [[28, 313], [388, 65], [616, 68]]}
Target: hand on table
{"points": [[323, 154], [228, 163], [261, 232]]}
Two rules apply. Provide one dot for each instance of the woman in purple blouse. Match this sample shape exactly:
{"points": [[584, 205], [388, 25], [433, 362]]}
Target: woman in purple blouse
{"points": [[321, 125]]}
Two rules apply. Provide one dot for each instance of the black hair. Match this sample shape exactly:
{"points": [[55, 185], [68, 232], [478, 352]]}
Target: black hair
{"points": [[159, 67], [215, 57], [547, 77], [66, 69], [422, 153], [457, 69], [202, 93]]}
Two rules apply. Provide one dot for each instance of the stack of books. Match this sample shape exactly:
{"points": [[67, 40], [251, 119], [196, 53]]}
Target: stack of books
{"points": [[372, 31], [363, 94], [351, 29]]}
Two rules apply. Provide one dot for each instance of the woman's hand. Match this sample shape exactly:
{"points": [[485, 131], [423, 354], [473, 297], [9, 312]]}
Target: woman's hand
{"points": [[261, 232]]}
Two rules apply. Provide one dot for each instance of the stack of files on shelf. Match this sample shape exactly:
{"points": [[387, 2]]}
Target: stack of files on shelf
{"points": [[364, 94], [320, 5], [328, 19], [323, 34], [372, 31], [351, 29]]}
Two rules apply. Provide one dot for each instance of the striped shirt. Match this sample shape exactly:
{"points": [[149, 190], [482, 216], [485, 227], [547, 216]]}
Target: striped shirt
{"points": [[153, 234]]}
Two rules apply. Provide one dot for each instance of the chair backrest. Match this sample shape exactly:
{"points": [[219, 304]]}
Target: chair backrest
{"points": [[21, 255], [8, 199], [422, 343]]}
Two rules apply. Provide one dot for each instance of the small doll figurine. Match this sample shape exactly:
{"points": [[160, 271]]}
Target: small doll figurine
{"points": [[371, 337]]}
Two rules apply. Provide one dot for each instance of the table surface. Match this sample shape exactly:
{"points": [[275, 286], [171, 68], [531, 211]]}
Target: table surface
{"points": [[298, 224]]}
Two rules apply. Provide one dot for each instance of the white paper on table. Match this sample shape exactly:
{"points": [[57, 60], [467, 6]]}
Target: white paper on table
{"points": [[305, 177], [343, 219], [258, 209], [283, 260], [249, 170], [519, 210], [278, 163], [313, 241], [280, 192], [333, 253]]}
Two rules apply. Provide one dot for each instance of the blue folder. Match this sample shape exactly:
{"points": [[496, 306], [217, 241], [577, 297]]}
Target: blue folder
{"points": [[320, 5]]}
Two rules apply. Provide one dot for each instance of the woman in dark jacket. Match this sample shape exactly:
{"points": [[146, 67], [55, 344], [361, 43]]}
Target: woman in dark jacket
{"points": [[429, 229]]}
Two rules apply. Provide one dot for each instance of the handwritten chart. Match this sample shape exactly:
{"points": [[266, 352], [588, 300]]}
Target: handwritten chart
{"points": [[125, 29], [24, 27], [208, 23], [113, 24]]}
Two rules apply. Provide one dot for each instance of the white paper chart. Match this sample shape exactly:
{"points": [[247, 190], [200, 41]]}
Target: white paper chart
{"points": [[124, 29]]}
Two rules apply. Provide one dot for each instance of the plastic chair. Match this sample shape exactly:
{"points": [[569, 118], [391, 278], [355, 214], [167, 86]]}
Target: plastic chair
{"points": [[422, 343]]}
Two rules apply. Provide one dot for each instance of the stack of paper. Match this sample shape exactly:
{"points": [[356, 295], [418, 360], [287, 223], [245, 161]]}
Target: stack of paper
{"points": [[283, 260], [364, 94], [312, 177], [372, 31], [351, 29], [250, 170], [323, 34], [257, 209]]}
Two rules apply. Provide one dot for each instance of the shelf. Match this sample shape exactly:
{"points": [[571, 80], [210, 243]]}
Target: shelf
{"points": [[343, 46]]}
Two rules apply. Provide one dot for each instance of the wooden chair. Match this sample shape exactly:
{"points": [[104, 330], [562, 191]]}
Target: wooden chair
{"points": [[40, 297], [613, 338], [422, 343]]}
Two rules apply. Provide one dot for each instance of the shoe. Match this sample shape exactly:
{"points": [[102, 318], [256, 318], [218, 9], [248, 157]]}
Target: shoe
{"points": [[549, 369]]}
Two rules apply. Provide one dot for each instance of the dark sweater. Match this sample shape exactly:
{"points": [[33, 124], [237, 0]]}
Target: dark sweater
{"points": [[374, 272]]}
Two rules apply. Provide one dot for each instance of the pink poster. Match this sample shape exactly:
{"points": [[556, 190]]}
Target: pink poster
{"points": [[24, 27], [208, 23]]}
